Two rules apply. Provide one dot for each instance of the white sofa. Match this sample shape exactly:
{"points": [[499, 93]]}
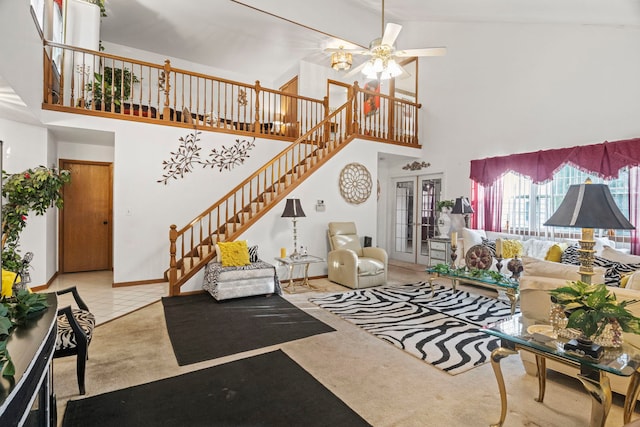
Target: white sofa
{"points": [[532, 247], [535, 303]]}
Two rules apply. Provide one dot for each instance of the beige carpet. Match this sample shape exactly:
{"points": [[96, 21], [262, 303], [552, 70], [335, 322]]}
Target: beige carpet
{"points": [[385, 385]]}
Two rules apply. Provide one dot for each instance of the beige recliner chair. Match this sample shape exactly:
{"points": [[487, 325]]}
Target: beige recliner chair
{"points": [[349, 263]]}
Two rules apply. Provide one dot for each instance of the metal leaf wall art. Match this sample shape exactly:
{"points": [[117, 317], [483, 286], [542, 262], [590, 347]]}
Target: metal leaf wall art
{"points": [[187, 156]]}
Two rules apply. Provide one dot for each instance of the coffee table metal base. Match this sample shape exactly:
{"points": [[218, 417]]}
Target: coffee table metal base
{"points": [[595, 382]]}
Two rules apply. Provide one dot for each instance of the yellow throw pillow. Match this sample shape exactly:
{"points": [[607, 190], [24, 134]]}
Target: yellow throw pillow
{"points": [[625, 279], [555, 252], [511, 248], [234, 254], [8, 277]]}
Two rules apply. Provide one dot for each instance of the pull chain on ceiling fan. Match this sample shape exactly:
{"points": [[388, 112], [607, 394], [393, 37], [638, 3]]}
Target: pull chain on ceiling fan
{"points": [[383, 63]]}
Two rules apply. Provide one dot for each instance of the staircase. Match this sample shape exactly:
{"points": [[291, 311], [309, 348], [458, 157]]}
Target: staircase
{"points": [[193, 246]]}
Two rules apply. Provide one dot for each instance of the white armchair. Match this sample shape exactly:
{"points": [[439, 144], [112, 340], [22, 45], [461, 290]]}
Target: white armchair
{"points": [[349, 263]]}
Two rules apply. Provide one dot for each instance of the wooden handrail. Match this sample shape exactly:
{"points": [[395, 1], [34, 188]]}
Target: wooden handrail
{"points": [[264, 188]]}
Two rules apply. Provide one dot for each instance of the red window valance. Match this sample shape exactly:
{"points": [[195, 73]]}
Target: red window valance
{"points": [[604, 159]]}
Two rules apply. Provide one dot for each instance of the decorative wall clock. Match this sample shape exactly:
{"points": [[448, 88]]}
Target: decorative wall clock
{"points": [[355, 183]]}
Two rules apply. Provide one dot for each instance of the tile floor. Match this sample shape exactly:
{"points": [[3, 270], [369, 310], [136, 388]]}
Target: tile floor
{"points": [[103, 300]]}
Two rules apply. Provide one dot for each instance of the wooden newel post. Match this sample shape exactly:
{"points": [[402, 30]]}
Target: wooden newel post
{"points": [[327, 126], [256, 122], [355, 128], [173, 270], [166, 111]]}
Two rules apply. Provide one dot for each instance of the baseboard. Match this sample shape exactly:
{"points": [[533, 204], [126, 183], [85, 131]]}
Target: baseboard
{"points": [[138, 282], [46, 285]]}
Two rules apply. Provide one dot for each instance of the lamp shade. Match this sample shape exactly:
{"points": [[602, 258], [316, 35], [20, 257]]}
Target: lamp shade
{"points": [[589, 206], [293, 209], [462, 206]]}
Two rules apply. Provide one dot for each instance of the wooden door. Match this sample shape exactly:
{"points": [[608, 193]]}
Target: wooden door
{"points": [[289, 107], [85, 221]]}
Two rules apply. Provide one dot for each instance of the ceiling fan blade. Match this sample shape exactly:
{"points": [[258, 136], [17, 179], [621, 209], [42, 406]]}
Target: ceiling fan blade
{"points": [[353, 51], [391, 34], [429, 51]]}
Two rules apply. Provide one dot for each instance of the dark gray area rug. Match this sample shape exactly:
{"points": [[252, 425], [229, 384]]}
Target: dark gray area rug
{"points": [[444, 331], [265, 390], [201, 328]]}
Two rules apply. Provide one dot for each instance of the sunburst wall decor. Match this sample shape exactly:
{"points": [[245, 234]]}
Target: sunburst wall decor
{"points": [[355, 183], [187, 156]]}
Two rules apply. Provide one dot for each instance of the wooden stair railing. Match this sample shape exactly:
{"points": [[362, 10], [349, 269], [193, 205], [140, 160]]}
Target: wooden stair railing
{"points": [[193, 246]]}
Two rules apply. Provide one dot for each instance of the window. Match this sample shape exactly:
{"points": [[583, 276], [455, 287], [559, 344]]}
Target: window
{"points": [[526, 206]]}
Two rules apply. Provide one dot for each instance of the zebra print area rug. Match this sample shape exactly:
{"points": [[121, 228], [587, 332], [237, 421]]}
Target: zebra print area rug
{"points": [[443, 331]]}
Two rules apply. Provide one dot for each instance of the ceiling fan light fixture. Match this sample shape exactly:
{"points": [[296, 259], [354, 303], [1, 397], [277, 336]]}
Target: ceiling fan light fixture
{"points": [[341, 60], [378, 65], [394, 69]]}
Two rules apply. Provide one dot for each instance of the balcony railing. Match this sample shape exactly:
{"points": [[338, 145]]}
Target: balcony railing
{"points": [[96, 83]]}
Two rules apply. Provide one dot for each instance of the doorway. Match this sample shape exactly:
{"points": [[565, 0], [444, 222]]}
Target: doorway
{"points": [[414, 217], [86, 231]]}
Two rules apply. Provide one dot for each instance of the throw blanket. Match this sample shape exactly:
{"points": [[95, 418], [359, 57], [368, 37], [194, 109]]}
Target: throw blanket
{"points": [[212, 274]]}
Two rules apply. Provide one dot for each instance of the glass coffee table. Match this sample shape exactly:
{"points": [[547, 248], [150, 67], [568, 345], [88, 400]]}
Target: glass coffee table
{"points": [[505, 285], [514, 334]]}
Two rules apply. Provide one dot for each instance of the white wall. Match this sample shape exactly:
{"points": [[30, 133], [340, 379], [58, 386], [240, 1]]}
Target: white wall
{"points": [[510, 88]]}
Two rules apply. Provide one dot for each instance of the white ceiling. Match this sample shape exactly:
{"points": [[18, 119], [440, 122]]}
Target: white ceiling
{"points": [[269, 37], [274, 35]]}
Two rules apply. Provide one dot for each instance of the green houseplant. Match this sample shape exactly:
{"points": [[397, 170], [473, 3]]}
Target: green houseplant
{"points": [[590, 309], [111, 87], [34, 190], [445, 204]]}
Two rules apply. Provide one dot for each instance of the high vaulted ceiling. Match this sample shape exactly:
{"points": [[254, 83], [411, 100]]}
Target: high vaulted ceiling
{"points": [[265, 38], [274, 35]]}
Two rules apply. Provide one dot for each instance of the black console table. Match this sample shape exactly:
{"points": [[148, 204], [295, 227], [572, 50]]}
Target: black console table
{"points": [[27, 399]]}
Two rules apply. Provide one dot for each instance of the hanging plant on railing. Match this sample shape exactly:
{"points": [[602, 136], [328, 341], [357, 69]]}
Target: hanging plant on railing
{"points": [[183, 160]]}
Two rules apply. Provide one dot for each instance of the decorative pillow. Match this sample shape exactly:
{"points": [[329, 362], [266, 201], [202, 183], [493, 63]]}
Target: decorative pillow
{"points": [[614, 272], [625, 279], [615, 255], [234, 254], [491, 245], [253, 254], [511, 248], [472, 237], [555, 252], [478, 256]]}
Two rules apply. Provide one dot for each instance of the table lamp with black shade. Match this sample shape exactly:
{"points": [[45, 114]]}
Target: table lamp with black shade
{"points": [[588, 206], [293, 209], [463, 207]]}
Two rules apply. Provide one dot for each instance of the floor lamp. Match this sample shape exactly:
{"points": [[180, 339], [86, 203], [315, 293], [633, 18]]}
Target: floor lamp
{"points": [[588, 206], [293, 209]]}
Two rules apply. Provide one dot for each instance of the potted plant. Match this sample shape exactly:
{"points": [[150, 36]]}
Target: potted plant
{"points": [[590, 310], [445, 205], [34, 190], [111, 87]]}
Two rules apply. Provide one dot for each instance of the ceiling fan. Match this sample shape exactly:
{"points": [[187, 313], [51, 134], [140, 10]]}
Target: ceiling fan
{"points": [[383, 63]]}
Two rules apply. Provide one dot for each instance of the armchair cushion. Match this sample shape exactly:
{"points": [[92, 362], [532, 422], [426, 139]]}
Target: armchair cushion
{"points": [[369, 266], [343, 235]]}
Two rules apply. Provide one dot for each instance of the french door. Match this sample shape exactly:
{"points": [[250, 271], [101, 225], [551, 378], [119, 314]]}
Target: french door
{"points": [[414, 217]]}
